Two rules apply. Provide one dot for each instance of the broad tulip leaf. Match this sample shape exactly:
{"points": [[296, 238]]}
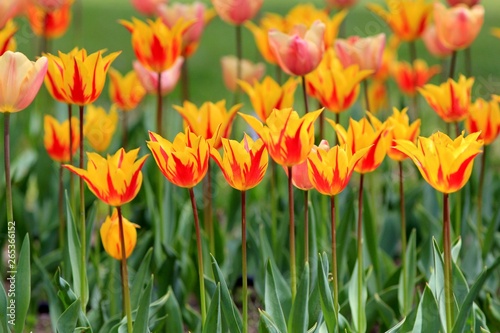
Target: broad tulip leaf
{"points": [[269, 323], [23, 285], [297, 323], [271, 300], [142, 315], [3, 313], [357, 300], [174, 315], [68, 319], [427, 319], [140, 280], [407, 277], [213, 323], [326, 294]]}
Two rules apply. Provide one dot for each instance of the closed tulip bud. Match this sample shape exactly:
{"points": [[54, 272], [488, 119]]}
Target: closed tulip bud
{"points": [[434, 44], [110, 236], [249, 71], [9, 9], [409, 77], [149, 78], [364, 52], [400, 129], [56, 138], [237, 12], [126, 91], [49, 23]]}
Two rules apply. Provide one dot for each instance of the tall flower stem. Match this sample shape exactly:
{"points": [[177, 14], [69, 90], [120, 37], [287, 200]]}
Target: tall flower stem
{"points": [[244, 261], [367, 97], [293, 271], [124, 273], [448, 292], [200, 258], [71, 183], [185, 81], [83, 234], [337, 121], [62, 226], [304, 93], [239, 56], [6, 149], [306, 226], [360, 244], [403, 237], [159, 130], [124, 128], [208, 212], [274, 204], [453, 63], [413, 57], [44, 43], [159, 107], [480, 199], [334, 258]]}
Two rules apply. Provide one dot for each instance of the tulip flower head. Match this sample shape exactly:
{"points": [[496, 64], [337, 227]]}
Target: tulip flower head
{"points": [[21, 80], [450, 100], [409, 77], [156, 45], [9, 9], [115, 180], [56, 138], [288, 137], [77, 77], [49, 23], [237, 12], [401, 129], [125, 91], [110, 236], [301, 52], [149, 78], [212, 121], [300, 173], [365, 52], [268, 21], [99, 127], [331, 169], [361, 134], [377, 96], [484, 117], [244, 163], [184, 162], [434, 44], [7, 41], [444, 163], [147, 7], [249, 71], [457, 27], [406, 18]]}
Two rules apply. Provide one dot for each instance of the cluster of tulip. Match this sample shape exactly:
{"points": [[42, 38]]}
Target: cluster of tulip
{"points": [[304, 43]]}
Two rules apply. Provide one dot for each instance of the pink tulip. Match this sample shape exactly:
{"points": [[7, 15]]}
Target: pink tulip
{"points": [[21, 80], [365, 52], [237, 11], [301, 52], [300, 173], [340, 4], [469, 3], [249, 71], [433, 44], [147, 7], [169, 77], [51, 5], [9, 9], [458, 26]]}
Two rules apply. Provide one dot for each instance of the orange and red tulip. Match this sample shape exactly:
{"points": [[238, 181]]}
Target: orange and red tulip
{"points": [[400, 129], [49, 23], [484, 117], [56, 138], [126, 91], [110, 236], [409, 78]]}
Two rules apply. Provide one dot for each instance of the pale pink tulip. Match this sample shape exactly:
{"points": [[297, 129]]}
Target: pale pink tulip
{"points": [[300, 174], [249, 71], [458, 26], [21, 80], [469, 3], [365, 52], [237, 11], [147, 7], [340, 4], [9, 9], [169, 77], [433, 43], [300, 52]]}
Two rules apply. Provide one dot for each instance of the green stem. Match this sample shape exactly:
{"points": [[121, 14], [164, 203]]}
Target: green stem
{"points": [[161, 191], [83, 234], [274, 204], [403, 239], [306, 226], [321, 125], [124, 128], [125, 288], [207, 204], [291, 232], [62, 226], [367, 97], [239, 56], [360, 246], [200, 258], [279, 74], [334, 259], [159, 107], [8, 184], [452, 64], [337, 121], [71, 178], [304, 93], [448, 283], [480, 200], [244, 261]]}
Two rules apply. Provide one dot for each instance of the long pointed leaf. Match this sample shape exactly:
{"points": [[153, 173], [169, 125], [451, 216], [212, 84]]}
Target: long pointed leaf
{"points": [[271, 300], [427, 319], [213, 322], [68, 319], [142, 316], [326, 294], [174, 316], [3, 313], [140, 279], [407, 276], [23, 285], [297, 323], [358, 310]]}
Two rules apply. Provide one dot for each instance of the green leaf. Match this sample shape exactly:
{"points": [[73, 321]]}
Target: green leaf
{"points": [[271, 300], [326, 294], [298, 321], [140, 279], [68, 319], [490, 233], [455, 249], [23, 285], [229, 309], [407, 276], [436, 281], [427, 319], [54, 304], [397, 327], [3, 313], [386, 313], [269, 323], [471, 296], [142, 315], [213, 323], [358, 310], [174, 315], [370, 232]]}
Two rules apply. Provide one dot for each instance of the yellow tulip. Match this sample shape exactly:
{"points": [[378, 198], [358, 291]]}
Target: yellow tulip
{"points": [[56, 138], [99, 127], [126, 91], [484, 117], [110, 236], [401, 129]]}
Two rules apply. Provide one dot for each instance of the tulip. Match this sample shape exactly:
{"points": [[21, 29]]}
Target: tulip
{"points": [[341, 3], [125, 91], [21, 80], [168, 78], [147, 7], [99, 127], [457, 27], [49, 23], [56, 138], [51, 5], [156, 45], [389, 56], [304, 14], [269, 21], [115, 180], [212, 121], [484, 117], [400, 129], [9, 9], [377, 96], [450, 100], [110, 236], [196, 12], [469, 3], [365, 52], [249, 71], [433, 43], [268, 95], [301, 52], [409, 77], [7, 41], [406, 18], [237, 12]]}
